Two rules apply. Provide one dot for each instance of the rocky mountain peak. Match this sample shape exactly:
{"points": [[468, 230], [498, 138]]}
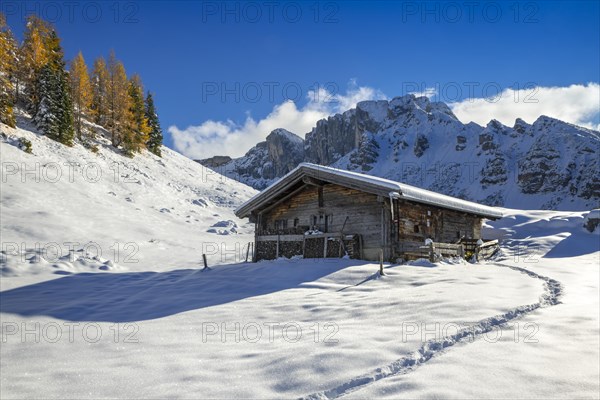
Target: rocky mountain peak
{"points": [[284, 135], [547, 164]]}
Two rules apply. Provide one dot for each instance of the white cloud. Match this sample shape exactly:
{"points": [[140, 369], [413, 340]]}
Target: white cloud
{"points": [[228, 138], [577, 104]]}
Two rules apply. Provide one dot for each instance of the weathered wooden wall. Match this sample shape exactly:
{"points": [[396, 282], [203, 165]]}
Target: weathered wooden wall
{"points": [[441, 225], [362, 210]]}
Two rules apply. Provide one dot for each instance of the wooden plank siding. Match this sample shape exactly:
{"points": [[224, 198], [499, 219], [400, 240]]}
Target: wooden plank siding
{"points": [[363, 210], [441, 225]]}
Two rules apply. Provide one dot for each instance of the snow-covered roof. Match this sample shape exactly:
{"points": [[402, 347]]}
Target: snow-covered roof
{"points": [[366, 183]]}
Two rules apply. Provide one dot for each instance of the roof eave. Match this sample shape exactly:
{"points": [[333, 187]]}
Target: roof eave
{"points": [[380, 189]]}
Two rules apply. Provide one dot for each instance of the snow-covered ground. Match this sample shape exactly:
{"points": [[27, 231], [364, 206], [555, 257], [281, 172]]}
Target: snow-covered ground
{"points": [[146, 213], [553, 352], [80, 327]]}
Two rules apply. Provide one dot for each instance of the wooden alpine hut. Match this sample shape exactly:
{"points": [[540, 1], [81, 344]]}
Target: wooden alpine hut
{"points": [[316, 211]]}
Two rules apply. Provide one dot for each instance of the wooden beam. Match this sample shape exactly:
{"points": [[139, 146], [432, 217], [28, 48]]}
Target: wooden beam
{"points": [[280, 238], [312, 181]]}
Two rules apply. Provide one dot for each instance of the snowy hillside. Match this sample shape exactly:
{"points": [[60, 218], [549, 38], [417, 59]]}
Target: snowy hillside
{"points": [[548, 164], [116, 213]]}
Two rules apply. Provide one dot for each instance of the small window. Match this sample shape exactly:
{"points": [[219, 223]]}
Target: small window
{"points": [[296, 222], [416, 228], [458, 234]]}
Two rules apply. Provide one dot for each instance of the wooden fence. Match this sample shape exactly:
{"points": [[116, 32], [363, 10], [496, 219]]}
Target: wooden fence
{"points": [[486, 250], [320, 245], [436, 250]]}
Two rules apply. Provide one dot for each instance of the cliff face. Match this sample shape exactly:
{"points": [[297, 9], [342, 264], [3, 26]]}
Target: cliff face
{"points": [[338, 135], [547, 164], [214, 162], [281, 152]]}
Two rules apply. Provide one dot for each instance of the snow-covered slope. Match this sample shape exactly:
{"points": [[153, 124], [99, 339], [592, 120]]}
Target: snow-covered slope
{"points": [[549, 164], [116, 213]]}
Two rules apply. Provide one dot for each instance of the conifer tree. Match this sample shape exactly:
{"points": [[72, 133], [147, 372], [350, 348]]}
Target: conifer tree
{"points": [[54, 116], [54, 112], [81, 91], [8, 68], [100, 81], [155, 136]]}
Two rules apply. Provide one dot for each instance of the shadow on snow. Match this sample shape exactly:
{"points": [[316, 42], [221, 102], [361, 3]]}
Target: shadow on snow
{"points": [[577, 244], [138, 296]]}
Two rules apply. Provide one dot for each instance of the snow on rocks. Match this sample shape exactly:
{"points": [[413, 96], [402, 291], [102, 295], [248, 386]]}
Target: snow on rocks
{"points": [[18, 261], [592, 221], [200, 202], [224, 228]]}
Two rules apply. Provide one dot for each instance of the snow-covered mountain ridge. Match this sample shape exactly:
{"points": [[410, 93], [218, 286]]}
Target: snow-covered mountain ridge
{"points": [[549, 164]]}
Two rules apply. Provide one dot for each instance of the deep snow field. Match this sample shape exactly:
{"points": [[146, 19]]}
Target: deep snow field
{"points": [[152, 324]]}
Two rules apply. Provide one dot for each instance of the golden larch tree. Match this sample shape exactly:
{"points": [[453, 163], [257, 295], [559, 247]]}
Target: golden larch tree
{"points": [[119, 103], [81, 91], [100, 81], [34, 54], [141, 130], [8, 68]]}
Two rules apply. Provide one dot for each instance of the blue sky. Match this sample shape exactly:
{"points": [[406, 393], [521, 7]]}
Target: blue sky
{"points": [[225, 61]]}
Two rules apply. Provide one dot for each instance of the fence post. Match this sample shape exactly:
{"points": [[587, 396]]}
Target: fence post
{"points": [[205, 263], [247, 252], [431, 252], [381, 262], [478, 249]]}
